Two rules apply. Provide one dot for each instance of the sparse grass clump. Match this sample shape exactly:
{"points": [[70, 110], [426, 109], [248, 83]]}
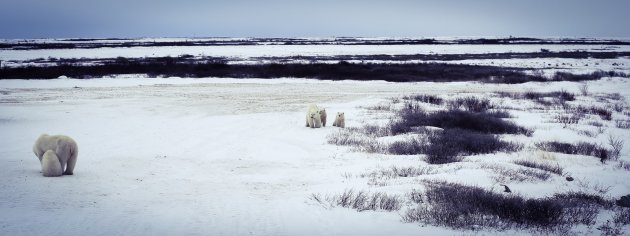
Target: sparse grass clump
{"points": [[562, 95], [462, 133], [479, 122], [622, 124], [425, 99], [543, 98], [446, 146], [565, 76], [361, 200], [580, 148], [468, 207], [360, 143], [411, 146], [459, 206], [472, 104], [505, 174], [402, 172], [602, 112], [556, 169]]}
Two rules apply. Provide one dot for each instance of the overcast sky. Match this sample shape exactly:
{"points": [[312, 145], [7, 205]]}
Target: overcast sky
{"points": [[313, 18]]}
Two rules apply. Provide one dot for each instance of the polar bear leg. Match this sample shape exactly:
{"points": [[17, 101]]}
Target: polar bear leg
{"points": [[70, 164]]}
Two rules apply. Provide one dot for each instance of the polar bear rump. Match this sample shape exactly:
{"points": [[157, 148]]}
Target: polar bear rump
{"points": [[64, 147], [51, 167]]}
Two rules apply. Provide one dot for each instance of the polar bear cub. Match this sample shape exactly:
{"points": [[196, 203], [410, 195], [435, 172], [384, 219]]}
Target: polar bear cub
{"points": [[340, 120], [313, 117], [51, 167], [65, 149], [322, 115]]}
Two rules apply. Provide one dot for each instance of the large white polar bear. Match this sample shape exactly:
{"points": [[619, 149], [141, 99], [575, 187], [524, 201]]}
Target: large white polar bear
{"points": [[64, 147], [313, 117], [51, 167]]}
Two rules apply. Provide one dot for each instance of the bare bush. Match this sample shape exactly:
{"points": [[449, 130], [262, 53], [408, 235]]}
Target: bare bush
{"points": [[624, 165], [519, 175], [602, 112], [482, 122], [446, 146], [425, 99], [359, 143], [396, 172], [472, 104], [622, 216], [616, 145], [580, 207], [556, 169], [622, 124], [580, 148], [567, 119], [459, 206], [379, 107], [584, 89]]}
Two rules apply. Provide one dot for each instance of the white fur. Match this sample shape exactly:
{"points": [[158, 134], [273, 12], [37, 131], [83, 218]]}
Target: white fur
{"points": [[64, 147], [323, 115], [313, 117], [340, 120], [51, 167]]}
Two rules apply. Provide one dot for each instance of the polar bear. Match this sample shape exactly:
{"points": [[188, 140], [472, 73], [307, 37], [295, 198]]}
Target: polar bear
{"points": [[64, 147], [51, 167], [340, 120], [322, 115], [313, 117]]}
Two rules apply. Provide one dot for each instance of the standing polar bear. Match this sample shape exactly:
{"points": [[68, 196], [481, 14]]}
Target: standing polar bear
{"points": [[322, 115], [51, 167], [313, 117], [340, 120], [64, 147]]}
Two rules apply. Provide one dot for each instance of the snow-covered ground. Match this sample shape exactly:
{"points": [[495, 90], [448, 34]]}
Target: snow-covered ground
{"points": [[172, 156]]}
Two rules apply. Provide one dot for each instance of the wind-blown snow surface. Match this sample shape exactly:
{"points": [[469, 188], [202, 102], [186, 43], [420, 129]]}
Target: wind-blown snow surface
{"points": [[209, 156]]}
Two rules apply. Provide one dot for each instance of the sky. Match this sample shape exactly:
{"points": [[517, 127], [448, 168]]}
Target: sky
{"points": [[313, 18]]}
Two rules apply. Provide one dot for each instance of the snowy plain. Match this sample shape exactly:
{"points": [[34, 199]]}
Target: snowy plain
{"points": [[221, 156], [173, 156]]}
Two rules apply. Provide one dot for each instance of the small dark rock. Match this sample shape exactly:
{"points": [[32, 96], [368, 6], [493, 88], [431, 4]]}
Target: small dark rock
{"points": [[569, 178], [624, 201]]}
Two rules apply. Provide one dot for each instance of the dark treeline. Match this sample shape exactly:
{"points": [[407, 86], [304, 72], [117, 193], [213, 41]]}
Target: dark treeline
{"points": [[438, 72], [117, 42], [455, 57], [382, 57]]}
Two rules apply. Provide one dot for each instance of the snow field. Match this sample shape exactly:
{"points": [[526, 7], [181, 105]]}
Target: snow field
{"points": [[233, 157]]}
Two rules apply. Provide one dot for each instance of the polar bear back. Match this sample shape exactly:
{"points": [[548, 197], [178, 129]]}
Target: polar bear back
{"points": [[63, 146], [51, 167]]}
